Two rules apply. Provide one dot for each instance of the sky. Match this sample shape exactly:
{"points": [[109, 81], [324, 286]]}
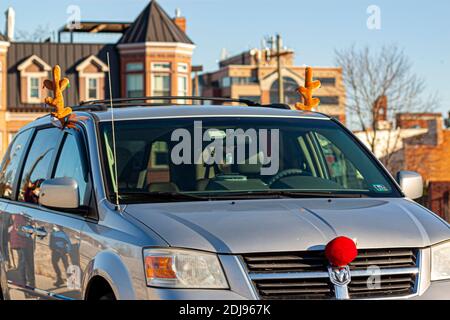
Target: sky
{"points": [[314, 29]]}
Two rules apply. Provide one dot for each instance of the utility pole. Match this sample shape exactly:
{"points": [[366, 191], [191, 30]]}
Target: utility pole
{"points": [[280, 77]]}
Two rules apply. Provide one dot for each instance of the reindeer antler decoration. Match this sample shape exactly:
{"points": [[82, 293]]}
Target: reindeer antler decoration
{"points": [[62, 116], [307, 92]]}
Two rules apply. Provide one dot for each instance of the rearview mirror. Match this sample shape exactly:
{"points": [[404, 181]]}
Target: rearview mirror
{"points": [[59, 193], [411, 183]]}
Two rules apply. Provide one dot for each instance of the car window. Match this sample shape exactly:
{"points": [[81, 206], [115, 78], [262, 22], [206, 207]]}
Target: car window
{"points": [[11, 162], [340, 168], [72, 164], [140, 163], [37, 164], [240, 155]]}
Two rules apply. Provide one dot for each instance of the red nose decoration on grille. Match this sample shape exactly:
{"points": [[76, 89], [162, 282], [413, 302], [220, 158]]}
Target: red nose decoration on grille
{"points": [[341, 251]]}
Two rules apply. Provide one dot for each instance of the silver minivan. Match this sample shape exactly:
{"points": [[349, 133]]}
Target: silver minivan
{"points": [[210, 202]]}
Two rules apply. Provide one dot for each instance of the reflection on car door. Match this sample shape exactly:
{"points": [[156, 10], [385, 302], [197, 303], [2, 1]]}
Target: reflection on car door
{"points": [[41, 226], [17, 243], [58, 233]]}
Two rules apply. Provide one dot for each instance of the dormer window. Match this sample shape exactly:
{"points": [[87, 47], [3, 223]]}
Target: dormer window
{"points": [[92, 90], [34, 88], [91, 77], [33, 72]]}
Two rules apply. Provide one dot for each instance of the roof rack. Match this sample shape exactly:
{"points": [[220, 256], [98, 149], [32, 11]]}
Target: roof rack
{"points": [[101, 105]]}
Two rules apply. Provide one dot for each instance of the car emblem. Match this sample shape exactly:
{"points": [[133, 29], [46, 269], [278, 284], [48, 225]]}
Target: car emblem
{"points": [[340, 277]]}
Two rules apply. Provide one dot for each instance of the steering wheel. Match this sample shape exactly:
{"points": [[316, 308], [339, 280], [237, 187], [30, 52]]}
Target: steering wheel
{"points": [[284, 174]]}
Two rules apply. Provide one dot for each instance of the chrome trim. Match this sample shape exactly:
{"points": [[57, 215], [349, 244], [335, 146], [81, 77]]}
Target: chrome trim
{"points": [[242, 267], [215, 116], [340, 278], [288, 275], [309, 275], [416, 290]]}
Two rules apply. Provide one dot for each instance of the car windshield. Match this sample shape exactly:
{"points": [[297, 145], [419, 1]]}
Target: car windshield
{"points": [[236, 157]]}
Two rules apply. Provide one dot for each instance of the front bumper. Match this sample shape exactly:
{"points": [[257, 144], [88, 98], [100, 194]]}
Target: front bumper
{"points": [[438, 290], [242, 287]]}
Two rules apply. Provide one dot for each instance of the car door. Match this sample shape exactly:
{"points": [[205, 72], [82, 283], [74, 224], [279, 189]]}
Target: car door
{"points": [[39, 223], [16, 242], [57, 231]]}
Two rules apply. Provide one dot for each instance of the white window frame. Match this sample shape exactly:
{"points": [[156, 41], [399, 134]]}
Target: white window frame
{"points": [[153, 82], [39, 97], [97, 94], [182, 67], [46, 69], [156, 66], [186, 89]]}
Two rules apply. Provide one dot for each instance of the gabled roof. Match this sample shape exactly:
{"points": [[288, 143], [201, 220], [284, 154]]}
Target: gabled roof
{"points": [[92, 59], [154, 25], [34, 59], [68, 56]]}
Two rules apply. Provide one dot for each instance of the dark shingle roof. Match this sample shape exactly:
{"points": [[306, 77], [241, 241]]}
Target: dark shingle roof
{"points": [[68, 56], [154, 25]]}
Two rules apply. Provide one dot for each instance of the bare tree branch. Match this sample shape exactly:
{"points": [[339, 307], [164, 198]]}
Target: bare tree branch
{"points": [[40, 34], [370, 75]]}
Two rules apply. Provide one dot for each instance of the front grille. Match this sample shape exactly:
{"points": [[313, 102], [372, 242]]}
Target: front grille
{"points": [[294, 289], [307, 275], [390, 258], [392, 285], [291, 262]]}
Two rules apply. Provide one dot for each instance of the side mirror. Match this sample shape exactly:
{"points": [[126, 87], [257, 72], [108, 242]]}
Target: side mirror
{"points": [[411, 183], [59, 193]]}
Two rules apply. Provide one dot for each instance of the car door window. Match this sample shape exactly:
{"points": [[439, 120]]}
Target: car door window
{"points": [[37, 165], [11, 162], [340, 168], [72, 164]]}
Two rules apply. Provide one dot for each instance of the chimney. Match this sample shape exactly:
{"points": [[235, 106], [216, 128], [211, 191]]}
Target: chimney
{"points": [[380, 108], [435, 130], [380, 113], [179, 20], [10, 23]]}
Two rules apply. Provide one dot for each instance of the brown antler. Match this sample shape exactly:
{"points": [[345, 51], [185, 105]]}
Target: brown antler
{"points": [[307, 92], [62, 114]]}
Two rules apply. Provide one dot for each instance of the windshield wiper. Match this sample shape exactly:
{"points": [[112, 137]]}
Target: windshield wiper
{"points": [[285, 194], [139, 197], [159, 197], [320, 194]]}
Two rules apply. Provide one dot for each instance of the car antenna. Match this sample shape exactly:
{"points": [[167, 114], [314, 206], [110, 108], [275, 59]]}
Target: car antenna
{"points": [[116, 178]]}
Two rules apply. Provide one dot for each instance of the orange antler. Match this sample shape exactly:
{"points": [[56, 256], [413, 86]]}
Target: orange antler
{"points": [[307, 92], [57, 86], [62, 116]]}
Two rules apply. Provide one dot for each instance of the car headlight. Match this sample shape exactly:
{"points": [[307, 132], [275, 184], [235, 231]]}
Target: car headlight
{"points": [[174, 268], [440, 261]]}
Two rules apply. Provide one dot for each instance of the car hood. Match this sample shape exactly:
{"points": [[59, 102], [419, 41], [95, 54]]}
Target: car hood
{"points": [[274, 225]]}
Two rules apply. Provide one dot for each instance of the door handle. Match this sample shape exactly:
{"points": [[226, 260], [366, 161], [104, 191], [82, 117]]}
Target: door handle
{"points": [[40, 232], [29, 230]]}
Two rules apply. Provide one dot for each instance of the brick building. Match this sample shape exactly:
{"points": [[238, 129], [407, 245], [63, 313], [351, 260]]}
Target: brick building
{"points": [[152, 58], [418, 142], [429, 154], [253, 75]]}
